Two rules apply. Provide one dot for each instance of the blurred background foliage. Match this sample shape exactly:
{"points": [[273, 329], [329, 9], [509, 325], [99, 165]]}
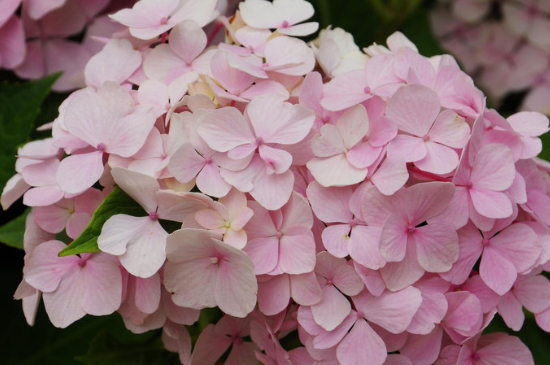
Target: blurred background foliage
{"points": [[104, 340]]}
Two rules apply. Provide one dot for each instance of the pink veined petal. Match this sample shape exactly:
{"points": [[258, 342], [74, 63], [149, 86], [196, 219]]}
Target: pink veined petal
{"points": [[506, 351], [226, 128], [64, 305], [297, 253], [325, 339], [209, 347], [424, 349], [236, 286], [185, 164], [264, 252], [491, 204], [329, 143], [300, 30], [391, 175], [493, 168], [276, 160], [140, 187], [76, 173], [531, 124], [14, 188], [163, 65], [519, 244], [103, 284], [470, 249], [77, 223], [439, 159], [335, 171], [464, 316], [44, 270], [116, 62], [187, 40], [289, 56], [393, 311], [296, 215], [126, 142], [336, 238], [52, 218], [345, 90], [497, 271], [305, 289], [272, 191], [399, 275], [243, 354], [436, 247], [361, 346], [276, 121], [364, 247], [12, 48], [42, 196], [274, 294], [363, 155], [533, 292], [409, 147], [200, 11], [176, 206], [450, 129], [118, 231], [332, 309], [353, 125], [425, 201], [414, 108], [511, 311], [330, 204], [393, 239], [209, 219]]}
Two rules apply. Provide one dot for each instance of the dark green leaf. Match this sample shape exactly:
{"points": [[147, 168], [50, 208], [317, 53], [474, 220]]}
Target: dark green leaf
{"points": [[108, 350], [118, 202], [19, 106], [12, 232]]}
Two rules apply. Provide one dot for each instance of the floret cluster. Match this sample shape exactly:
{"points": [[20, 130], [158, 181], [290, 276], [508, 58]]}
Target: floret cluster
{"points": [[366, 199], [504, 44]]}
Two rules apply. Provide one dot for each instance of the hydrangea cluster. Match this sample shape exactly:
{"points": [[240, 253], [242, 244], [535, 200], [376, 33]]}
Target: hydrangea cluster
{"points": [[503, 43], [366, 200], [38, 37]]}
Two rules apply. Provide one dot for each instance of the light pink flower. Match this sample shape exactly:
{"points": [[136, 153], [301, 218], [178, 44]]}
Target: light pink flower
{"points": [[204, 272]]}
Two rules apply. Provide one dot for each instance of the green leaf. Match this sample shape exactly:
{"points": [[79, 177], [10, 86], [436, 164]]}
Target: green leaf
{"points": [[117, 202], [12, 232], [19, 107], [105, 349]]}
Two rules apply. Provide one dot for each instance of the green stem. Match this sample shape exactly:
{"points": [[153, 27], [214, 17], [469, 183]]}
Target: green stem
{"points": [[381, 9]]}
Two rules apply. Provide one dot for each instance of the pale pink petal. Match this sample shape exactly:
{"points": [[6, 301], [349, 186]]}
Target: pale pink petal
{"points": [[274, 294], [436, 247], [497, 271], [187, 40], [439, 159], [332, 309], [176, 206], [519, 244], [225, 129], [511, 311], [392, 311], [391, 175], [361, 346], [138, 186], [330, 204], [335, 171], [414, 108], [44, 270], [336, 238], [364, 247], [297, 253], [493, 168], [411, 148], [491, 204], [393, 239], [76, 173]]}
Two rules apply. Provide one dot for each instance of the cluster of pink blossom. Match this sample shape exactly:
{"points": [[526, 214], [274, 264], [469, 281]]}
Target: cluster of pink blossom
{"points": [[366, 199], [37, 36], [504, 44]]}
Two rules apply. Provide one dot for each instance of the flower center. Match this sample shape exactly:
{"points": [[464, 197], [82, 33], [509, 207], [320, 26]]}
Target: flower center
{"points": [[153, 216]]}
